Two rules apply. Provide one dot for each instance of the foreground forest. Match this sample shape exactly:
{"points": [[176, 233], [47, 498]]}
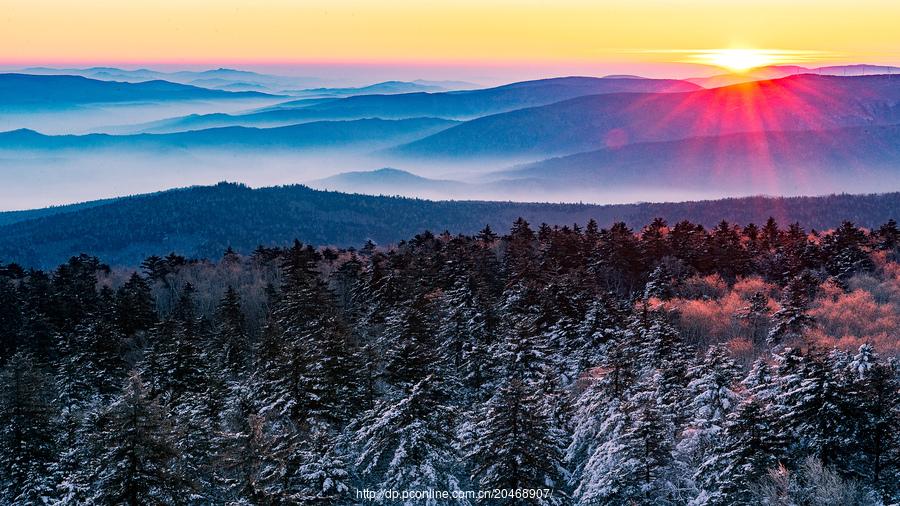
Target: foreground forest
{"points": [[669, 365]]}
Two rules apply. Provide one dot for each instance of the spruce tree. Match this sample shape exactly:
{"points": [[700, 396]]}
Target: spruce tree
{"points": [[137, 464], [756, 315], [135, 307], [323, 477], [407, 442], [713, 400], [230, 334], [790, 322], [516, 446], [875, 391], [746, 450], [28, 436]]}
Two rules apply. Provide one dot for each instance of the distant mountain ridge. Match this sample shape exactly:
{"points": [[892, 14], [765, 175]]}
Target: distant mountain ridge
{"points": [[803, 102], [41, 91], [450, 105], [315, 134], [779, 71], [224, 76], [203, 221], [385, 88], [389, 181]]}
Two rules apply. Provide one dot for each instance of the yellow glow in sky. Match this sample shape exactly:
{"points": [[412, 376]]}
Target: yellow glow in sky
{"points": [[435, 31], [744, 59]]}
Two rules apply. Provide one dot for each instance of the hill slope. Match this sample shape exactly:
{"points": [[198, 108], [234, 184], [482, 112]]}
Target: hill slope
{"points": [[389, 181], [805, 102], [858, 159], [203, 221]]}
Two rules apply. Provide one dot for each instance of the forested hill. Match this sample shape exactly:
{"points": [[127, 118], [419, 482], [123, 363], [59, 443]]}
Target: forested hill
{"points": [[204, 221]]}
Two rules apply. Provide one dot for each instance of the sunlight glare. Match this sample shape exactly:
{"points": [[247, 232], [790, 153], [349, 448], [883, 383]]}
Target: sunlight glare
{"points": [[738, 60]]}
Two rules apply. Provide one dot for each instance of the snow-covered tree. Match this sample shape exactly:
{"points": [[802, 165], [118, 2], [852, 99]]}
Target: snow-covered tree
{"points": [[713, 399], [634, 464], [323, 476], [407, 442], [746, 450], [516, 446], [28, 434], [792, 319], [137, 465]]}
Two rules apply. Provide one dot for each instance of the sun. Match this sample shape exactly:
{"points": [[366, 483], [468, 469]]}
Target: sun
{"points": [[737, 60]]}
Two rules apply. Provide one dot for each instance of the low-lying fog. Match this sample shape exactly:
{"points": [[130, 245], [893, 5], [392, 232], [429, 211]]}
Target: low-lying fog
{"points": [[105, 118], [39, 179]]}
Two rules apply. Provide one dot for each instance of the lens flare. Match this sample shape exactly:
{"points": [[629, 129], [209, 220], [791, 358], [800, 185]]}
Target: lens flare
{"points": [[738, 60]]}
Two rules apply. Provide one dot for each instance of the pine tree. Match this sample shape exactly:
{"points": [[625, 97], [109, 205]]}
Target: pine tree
{"points": [[634, 462], [746, 450], [602, 323], [135, 307], [464, 336], [28, 435], [175, 364], [756, 316], [659, 285], [887, 237], [140, 450], [844, 252], [654, 246], [407, 442], [230, 333], [520, 261], [522, 350], [760, 382], [516, 446], [88, 375], [245, 467], [597, 476], [714, 398], [666, 360], [252, 452], [310, 363], [726, 254], [323, 476], [410, 346], [792, 319], [813, 412], [875, 391], [11, 318], [596, 412]]}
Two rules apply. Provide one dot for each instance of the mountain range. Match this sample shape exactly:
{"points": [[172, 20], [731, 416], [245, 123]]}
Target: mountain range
{"points": [[452, 105], [586, 123], [592, 139], [779, 71], [212, 77], [48, 91], [385, 88], [319, 134], [858, 159]]}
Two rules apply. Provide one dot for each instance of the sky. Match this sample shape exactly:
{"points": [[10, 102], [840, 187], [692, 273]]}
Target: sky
{"points": [[444, 38]]}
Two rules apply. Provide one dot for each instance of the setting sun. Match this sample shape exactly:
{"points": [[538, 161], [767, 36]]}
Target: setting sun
{"points": [[738, 60]]}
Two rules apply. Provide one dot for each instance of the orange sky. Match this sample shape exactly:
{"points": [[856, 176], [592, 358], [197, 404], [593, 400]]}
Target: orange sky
{"points": [[440, 31]]}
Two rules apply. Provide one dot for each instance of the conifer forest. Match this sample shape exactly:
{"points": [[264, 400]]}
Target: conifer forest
{"points": [[669, 364]]}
